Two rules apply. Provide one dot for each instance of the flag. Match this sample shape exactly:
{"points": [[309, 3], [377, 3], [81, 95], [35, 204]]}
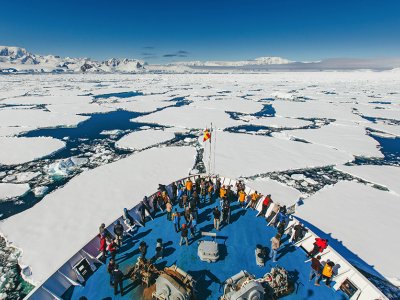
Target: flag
{"points": [[207, 135]]}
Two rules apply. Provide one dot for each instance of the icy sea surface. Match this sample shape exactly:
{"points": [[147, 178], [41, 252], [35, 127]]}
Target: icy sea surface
{"points": [[308, 125]]}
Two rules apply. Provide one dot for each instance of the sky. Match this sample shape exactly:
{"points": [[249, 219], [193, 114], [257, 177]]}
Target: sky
{"points": [[162, 31]]}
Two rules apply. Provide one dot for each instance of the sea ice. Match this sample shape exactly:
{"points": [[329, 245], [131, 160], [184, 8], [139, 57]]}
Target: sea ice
{"points": [[12, 190], [19, 150], [142, 139], [351, 139], [387, 176], [190, 117], [64, 167], [245, 155]]}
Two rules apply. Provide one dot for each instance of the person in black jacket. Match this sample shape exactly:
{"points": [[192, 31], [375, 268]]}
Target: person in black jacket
{"points": [[174, 192], [143, 249], [184, 235], [119, 232], [110, 270], [118, 280], [217, 217]]}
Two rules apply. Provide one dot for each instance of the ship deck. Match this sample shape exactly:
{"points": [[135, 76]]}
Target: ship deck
{"points": [[237, 241]]}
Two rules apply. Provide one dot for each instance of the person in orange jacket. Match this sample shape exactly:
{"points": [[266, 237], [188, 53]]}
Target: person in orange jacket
{"points": [[254, 197], [242, 198], [189, 187]]}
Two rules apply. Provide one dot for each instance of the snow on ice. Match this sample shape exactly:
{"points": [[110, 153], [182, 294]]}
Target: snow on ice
{"points": [[12, 190], [20, 150], [387, 176], [350, 139], [245, 155], [142, 139]]}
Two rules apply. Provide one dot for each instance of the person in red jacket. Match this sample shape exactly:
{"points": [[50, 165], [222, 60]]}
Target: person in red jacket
{"points": [[103, 247], [265, 204], [319, 246], [112, 248]]}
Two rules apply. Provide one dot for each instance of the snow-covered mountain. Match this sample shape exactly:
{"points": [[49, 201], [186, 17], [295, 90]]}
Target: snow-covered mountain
{"points": [[269, 60], [19, 60]]}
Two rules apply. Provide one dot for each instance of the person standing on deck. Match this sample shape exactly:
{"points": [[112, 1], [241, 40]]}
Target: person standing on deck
{"points": [[168, 208], [181, 192], [143, 249], [112, 248], [298, 232], [192, 225], [254, 197], [318, 246], [189, 187], [119, 232], [210, 190], [110, 269], [118, 280], [242, 198], [217, 217], [103, 247], [327, 273], [226, 212], [275, 244], [203, 191], [315, 268], [265, 204], [273, 213], [174, 192], [176, 219], [184, 235], [222, 193], [143, 215]]}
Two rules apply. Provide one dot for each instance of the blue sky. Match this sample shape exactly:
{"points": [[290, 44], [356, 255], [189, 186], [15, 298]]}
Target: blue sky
{"points": [[170, 30]]}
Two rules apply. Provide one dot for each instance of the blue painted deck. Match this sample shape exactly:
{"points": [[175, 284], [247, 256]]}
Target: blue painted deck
{"points": [[240, 239]]}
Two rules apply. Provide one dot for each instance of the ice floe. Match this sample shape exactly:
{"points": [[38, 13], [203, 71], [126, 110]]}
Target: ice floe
{"points": [[190, 117], [351, 139], [387, 176], [12, 190], [245, 155], [15, 150], [142, 139]]}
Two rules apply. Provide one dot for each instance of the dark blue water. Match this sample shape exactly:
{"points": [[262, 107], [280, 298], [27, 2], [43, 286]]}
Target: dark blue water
{"points": [[80, 139], [267, 111], [390, 148], [380, 102], [118, 95]]}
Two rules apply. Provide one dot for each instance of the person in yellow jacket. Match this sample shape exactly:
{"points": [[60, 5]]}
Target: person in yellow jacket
{"points": [[222, 192], [254, 197], [189, 186], [327, 273], [242, 198]]}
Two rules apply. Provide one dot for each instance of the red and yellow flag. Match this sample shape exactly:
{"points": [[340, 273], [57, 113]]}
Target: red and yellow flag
{"points": [[207, 135]]}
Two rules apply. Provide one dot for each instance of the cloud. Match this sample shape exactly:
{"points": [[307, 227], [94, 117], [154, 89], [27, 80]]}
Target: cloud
{"points": [[148, 47], [180, 53], [147, 54]]}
